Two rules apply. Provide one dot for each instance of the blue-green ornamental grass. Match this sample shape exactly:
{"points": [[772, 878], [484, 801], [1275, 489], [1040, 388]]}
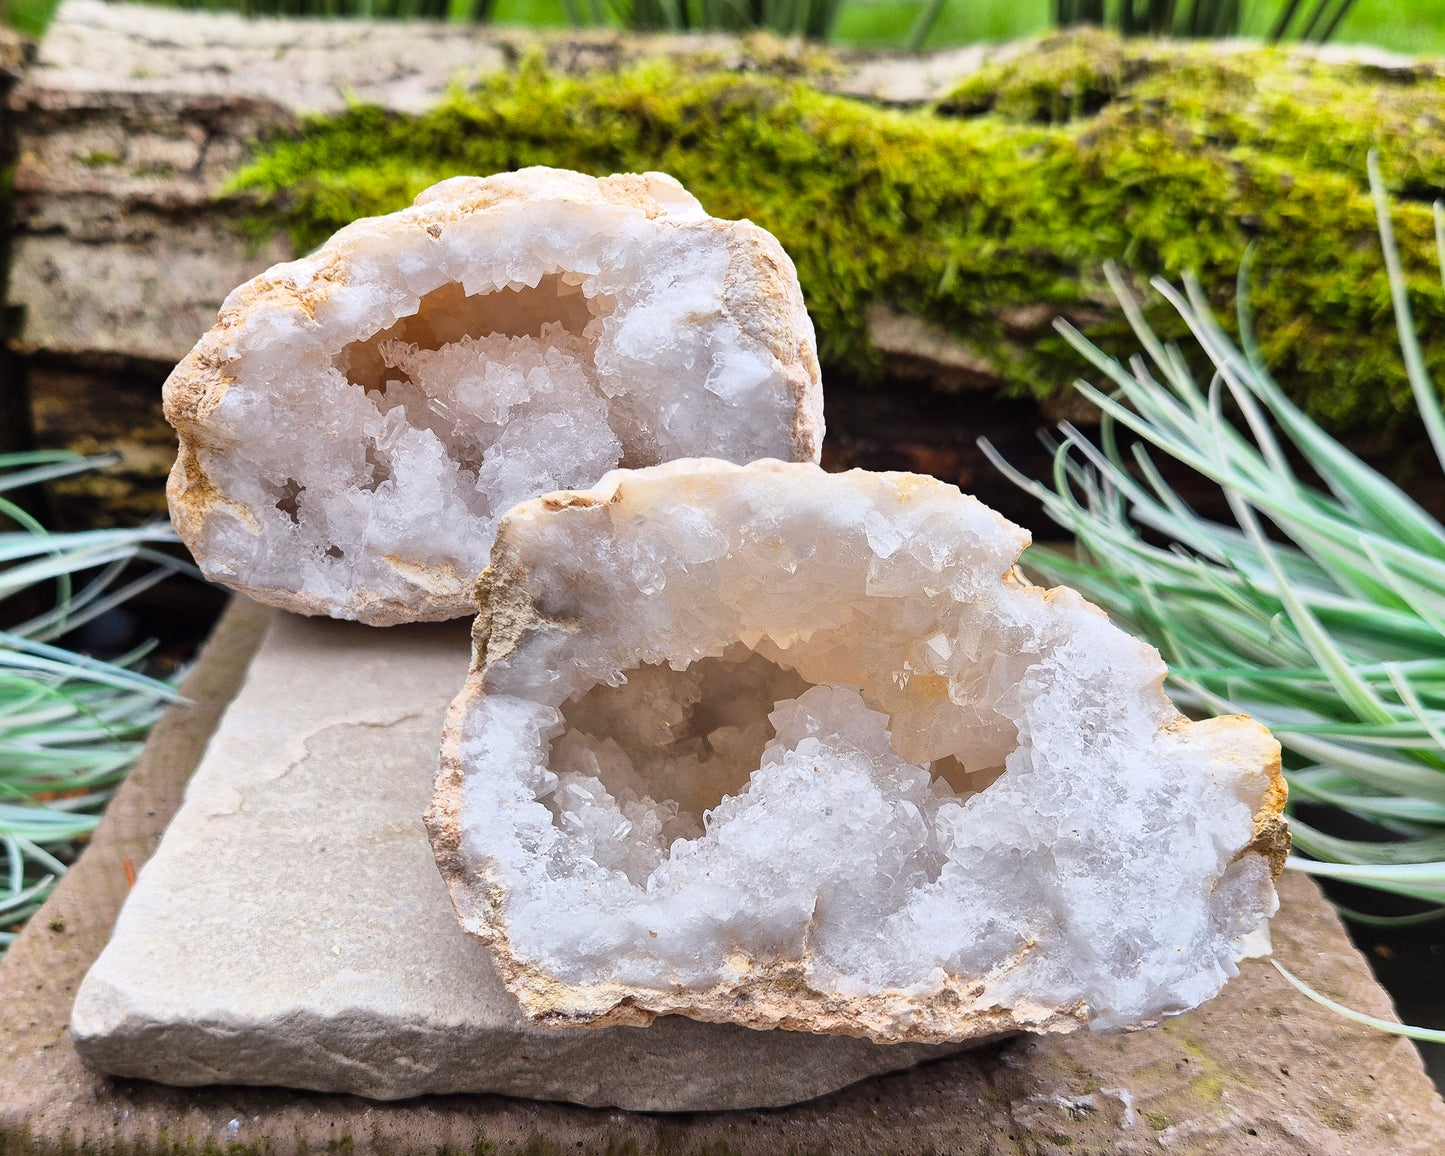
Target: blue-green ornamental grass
{"points": [[1333, 638], [70, 726]]}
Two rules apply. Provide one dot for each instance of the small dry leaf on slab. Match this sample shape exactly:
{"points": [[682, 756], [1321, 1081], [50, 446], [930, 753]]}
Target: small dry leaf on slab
{"points": [[788, 749], [358, 420]]}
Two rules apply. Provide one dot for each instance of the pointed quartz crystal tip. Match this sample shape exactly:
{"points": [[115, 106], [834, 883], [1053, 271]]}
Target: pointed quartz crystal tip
{"points": [[358, 420], [768, 745]]}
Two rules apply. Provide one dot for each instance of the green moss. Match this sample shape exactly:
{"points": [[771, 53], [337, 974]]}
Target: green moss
{"points": [[975, 221], [1066, 77], [1320, 115]]}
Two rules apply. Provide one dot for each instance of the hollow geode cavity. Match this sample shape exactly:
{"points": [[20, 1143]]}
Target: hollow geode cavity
{"points": [[357, 420], [767, 745]]}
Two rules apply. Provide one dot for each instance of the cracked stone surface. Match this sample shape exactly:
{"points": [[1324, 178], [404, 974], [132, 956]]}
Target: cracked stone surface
{"points": [[292, 929], [1258, 1071]]}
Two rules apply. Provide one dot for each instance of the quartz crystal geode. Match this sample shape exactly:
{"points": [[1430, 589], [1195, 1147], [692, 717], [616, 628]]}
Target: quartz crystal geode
{"points": [[767, 745], [357, 420]]}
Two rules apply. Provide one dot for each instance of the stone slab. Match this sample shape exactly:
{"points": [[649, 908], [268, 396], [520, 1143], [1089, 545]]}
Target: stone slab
{"points": [[1257, 1070], [292, 927]]}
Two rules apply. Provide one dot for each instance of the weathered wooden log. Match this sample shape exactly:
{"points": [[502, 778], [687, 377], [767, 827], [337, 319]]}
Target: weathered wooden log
{"points": [[130, 124], [15, 429]]}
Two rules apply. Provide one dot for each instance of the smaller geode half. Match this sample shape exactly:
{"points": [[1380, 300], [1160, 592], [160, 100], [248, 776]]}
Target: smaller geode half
{"points": [[768, 745], [356, 422]]}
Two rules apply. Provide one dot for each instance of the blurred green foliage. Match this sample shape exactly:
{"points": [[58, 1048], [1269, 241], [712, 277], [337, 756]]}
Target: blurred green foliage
{"points": [[811, 18], [1399, 25], [27, 16], [1311, 20], [992, 212]]}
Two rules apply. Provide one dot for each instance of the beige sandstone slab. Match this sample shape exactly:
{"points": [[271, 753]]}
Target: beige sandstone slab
{"points": [[1256, 1070], [292, 928]]}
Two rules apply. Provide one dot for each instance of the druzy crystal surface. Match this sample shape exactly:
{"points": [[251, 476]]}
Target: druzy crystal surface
{"points": [[358, 420], [794, 749]]}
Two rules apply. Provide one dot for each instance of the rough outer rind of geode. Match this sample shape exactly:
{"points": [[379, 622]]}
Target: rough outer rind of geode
{"points": [[357, 420], [971, 810]]}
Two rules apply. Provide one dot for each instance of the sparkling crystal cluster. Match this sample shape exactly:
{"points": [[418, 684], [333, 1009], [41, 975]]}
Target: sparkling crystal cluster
{"points": [[794, 749], [749, 743], [358, 420]]}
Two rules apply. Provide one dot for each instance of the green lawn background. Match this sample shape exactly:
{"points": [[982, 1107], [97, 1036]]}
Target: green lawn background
{"points": [[1416, 26]]}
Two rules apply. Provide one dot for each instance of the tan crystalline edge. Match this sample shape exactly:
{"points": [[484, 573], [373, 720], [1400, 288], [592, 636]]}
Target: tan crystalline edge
{"points": [[760, 294], [774, 995]]}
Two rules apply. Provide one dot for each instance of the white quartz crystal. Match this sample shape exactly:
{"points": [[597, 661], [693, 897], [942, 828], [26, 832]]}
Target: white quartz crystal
{"points": [[794, 749], [358, 420]]}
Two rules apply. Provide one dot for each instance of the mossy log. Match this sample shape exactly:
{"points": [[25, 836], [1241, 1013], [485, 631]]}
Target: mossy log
{"points": [[993, 210], [942, 211]]}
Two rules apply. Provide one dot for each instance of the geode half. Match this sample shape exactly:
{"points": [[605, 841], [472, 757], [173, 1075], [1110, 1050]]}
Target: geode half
{"points": [[357, 420], [768, 745]]}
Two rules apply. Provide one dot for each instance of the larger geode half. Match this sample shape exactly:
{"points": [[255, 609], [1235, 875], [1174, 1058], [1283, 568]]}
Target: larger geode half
{"points": [[800, 750], [357, 420]]}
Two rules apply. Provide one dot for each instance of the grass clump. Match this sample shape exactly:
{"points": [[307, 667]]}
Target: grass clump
{"points": [[988, 223], [70, 725], [1320, 612]]}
